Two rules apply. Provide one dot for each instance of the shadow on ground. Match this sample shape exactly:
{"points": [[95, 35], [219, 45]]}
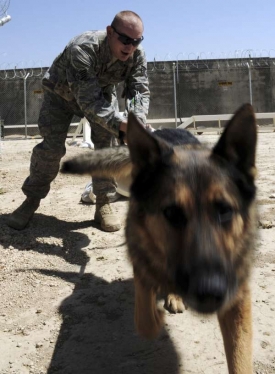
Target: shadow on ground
{"points": [[97, 333], [69, 243]]}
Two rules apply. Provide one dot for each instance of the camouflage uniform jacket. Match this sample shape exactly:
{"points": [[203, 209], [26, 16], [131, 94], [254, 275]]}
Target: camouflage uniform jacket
{"points": [[87, 73]]}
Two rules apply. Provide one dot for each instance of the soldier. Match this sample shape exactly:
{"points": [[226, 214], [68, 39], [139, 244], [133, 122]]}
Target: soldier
{"points": [[81, 81]]}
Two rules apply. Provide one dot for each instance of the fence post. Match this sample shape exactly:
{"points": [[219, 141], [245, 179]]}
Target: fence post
{"points": [[0, 139], [250, 83], [25, 103], [175, 93]]}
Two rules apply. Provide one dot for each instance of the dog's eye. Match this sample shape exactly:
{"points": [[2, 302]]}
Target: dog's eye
{"points": [[175, 215], [225, 211]]}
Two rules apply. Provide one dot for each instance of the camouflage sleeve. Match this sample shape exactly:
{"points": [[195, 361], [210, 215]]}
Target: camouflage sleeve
{"points": [[83, 82], [137, 93]]}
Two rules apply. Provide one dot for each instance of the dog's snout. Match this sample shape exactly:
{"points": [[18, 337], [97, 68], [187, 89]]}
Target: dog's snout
{"points": [[204, 288], [209, 290]]}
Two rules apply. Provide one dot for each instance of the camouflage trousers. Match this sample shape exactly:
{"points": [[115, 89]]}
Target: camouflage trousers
{"points": [[54, 121]]}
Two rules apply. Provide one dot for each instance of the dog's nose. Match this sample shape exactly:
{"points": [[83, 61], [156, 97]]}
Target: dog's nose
{"points": [[203, 288], [209, 291]]}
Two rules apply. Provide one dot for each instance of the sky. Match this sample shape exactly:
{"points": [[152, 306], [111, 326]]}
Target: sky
{"points": [[173, 29]]}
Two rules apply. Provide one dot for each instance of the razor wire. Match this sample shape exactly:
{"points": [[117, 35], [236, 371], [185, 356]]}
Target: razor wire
{"points": [[202, 60], [21, 69]]}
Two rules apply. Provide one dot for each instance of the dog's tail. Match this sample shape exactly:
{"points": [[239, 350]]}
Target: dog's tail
{"points": [[107, 162]]}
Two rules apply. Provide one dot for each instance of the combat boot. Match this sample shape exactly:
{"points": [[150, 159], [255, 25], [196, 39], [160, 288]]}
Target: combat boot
{"points": [[23, 214], [106, 216]]}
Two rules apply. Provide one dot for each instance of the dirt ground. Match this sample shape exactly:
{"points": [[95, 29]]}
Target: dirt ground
{"points": [[66, 288]]}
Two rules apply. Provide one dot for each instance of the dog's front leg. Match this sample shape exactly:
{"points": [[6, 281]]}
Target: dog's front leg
{"points": [[148, 319], [236, 327]]}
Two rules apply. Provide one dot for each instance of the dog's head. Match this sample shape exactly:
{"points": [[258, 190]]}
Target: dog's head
{"points": [[190, 225]]}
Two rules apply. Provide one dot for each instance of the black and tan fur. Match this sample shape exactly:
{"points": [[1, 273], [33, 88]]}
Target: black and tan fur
{"points": [[191, 224]]}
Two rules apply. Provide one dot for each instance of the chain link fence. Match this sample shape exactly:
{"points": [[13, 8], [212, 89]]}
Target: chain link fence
{"points": [[20, 101], [220, 86], [21, 98], [179, 89]]}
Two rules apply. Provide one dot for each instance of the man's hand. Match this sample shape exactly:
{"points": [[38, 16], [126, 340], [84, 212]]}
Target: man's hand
{"points": [[149, 127], [123, 126], [122, 132]]}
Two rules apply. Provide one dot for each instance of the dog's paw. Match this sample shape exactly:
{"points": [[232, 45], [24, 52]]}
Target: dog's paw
{"points": [[174, 304]]}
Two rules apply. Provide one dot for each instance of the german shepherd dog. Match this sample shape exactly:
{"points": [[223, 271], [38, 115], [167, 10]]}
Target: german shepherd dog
{"points": [[191, 224]]}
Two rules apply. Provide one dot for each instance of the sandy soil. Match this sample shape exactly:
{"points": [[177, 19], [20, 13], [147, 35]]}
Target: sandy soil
{"points": [[66, 290]]}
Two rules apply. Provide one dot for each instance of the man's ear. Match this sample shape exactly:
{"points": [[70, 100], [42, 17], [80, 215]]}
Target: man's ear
{"points": [[237, 144], [145, 149], [109, 31]]}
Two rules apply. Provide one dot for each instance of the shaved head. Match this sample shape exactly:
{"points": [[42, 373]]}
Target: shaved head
{"points": [[127, 17]]}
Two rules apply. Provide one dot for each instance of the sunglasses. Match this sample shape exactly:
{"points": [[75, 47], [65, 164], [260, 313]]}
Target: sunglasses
{"points": [[124, 39]]}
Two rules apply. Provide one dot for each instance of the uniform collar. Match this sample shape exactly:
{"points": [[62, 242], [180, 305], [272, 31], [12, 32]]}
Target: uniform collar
{"points": [[105, 51]]}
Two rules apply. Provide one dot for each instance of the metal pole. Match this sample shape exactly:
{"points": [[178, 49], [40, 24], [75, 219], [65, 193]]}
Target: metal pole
{"points": [[0, 139], [250, 83], [25, 103], [175, 94]]}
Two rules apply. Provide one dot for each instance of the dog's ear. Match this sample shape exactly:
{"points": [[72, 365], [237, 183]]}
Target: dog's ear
{"points": [[238, 142], [145, 149]]}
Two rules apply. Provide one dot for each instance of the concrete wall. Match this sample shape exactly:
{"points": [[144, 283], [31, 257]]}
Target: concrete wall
{"points": [[12, 109], [212, 87], [202, 87]]}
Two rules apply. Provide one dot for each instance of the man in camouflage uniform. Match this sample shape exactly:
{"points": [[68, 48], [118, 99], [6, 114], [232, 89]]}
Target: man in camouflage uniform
{"points": [[81, 81]]}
